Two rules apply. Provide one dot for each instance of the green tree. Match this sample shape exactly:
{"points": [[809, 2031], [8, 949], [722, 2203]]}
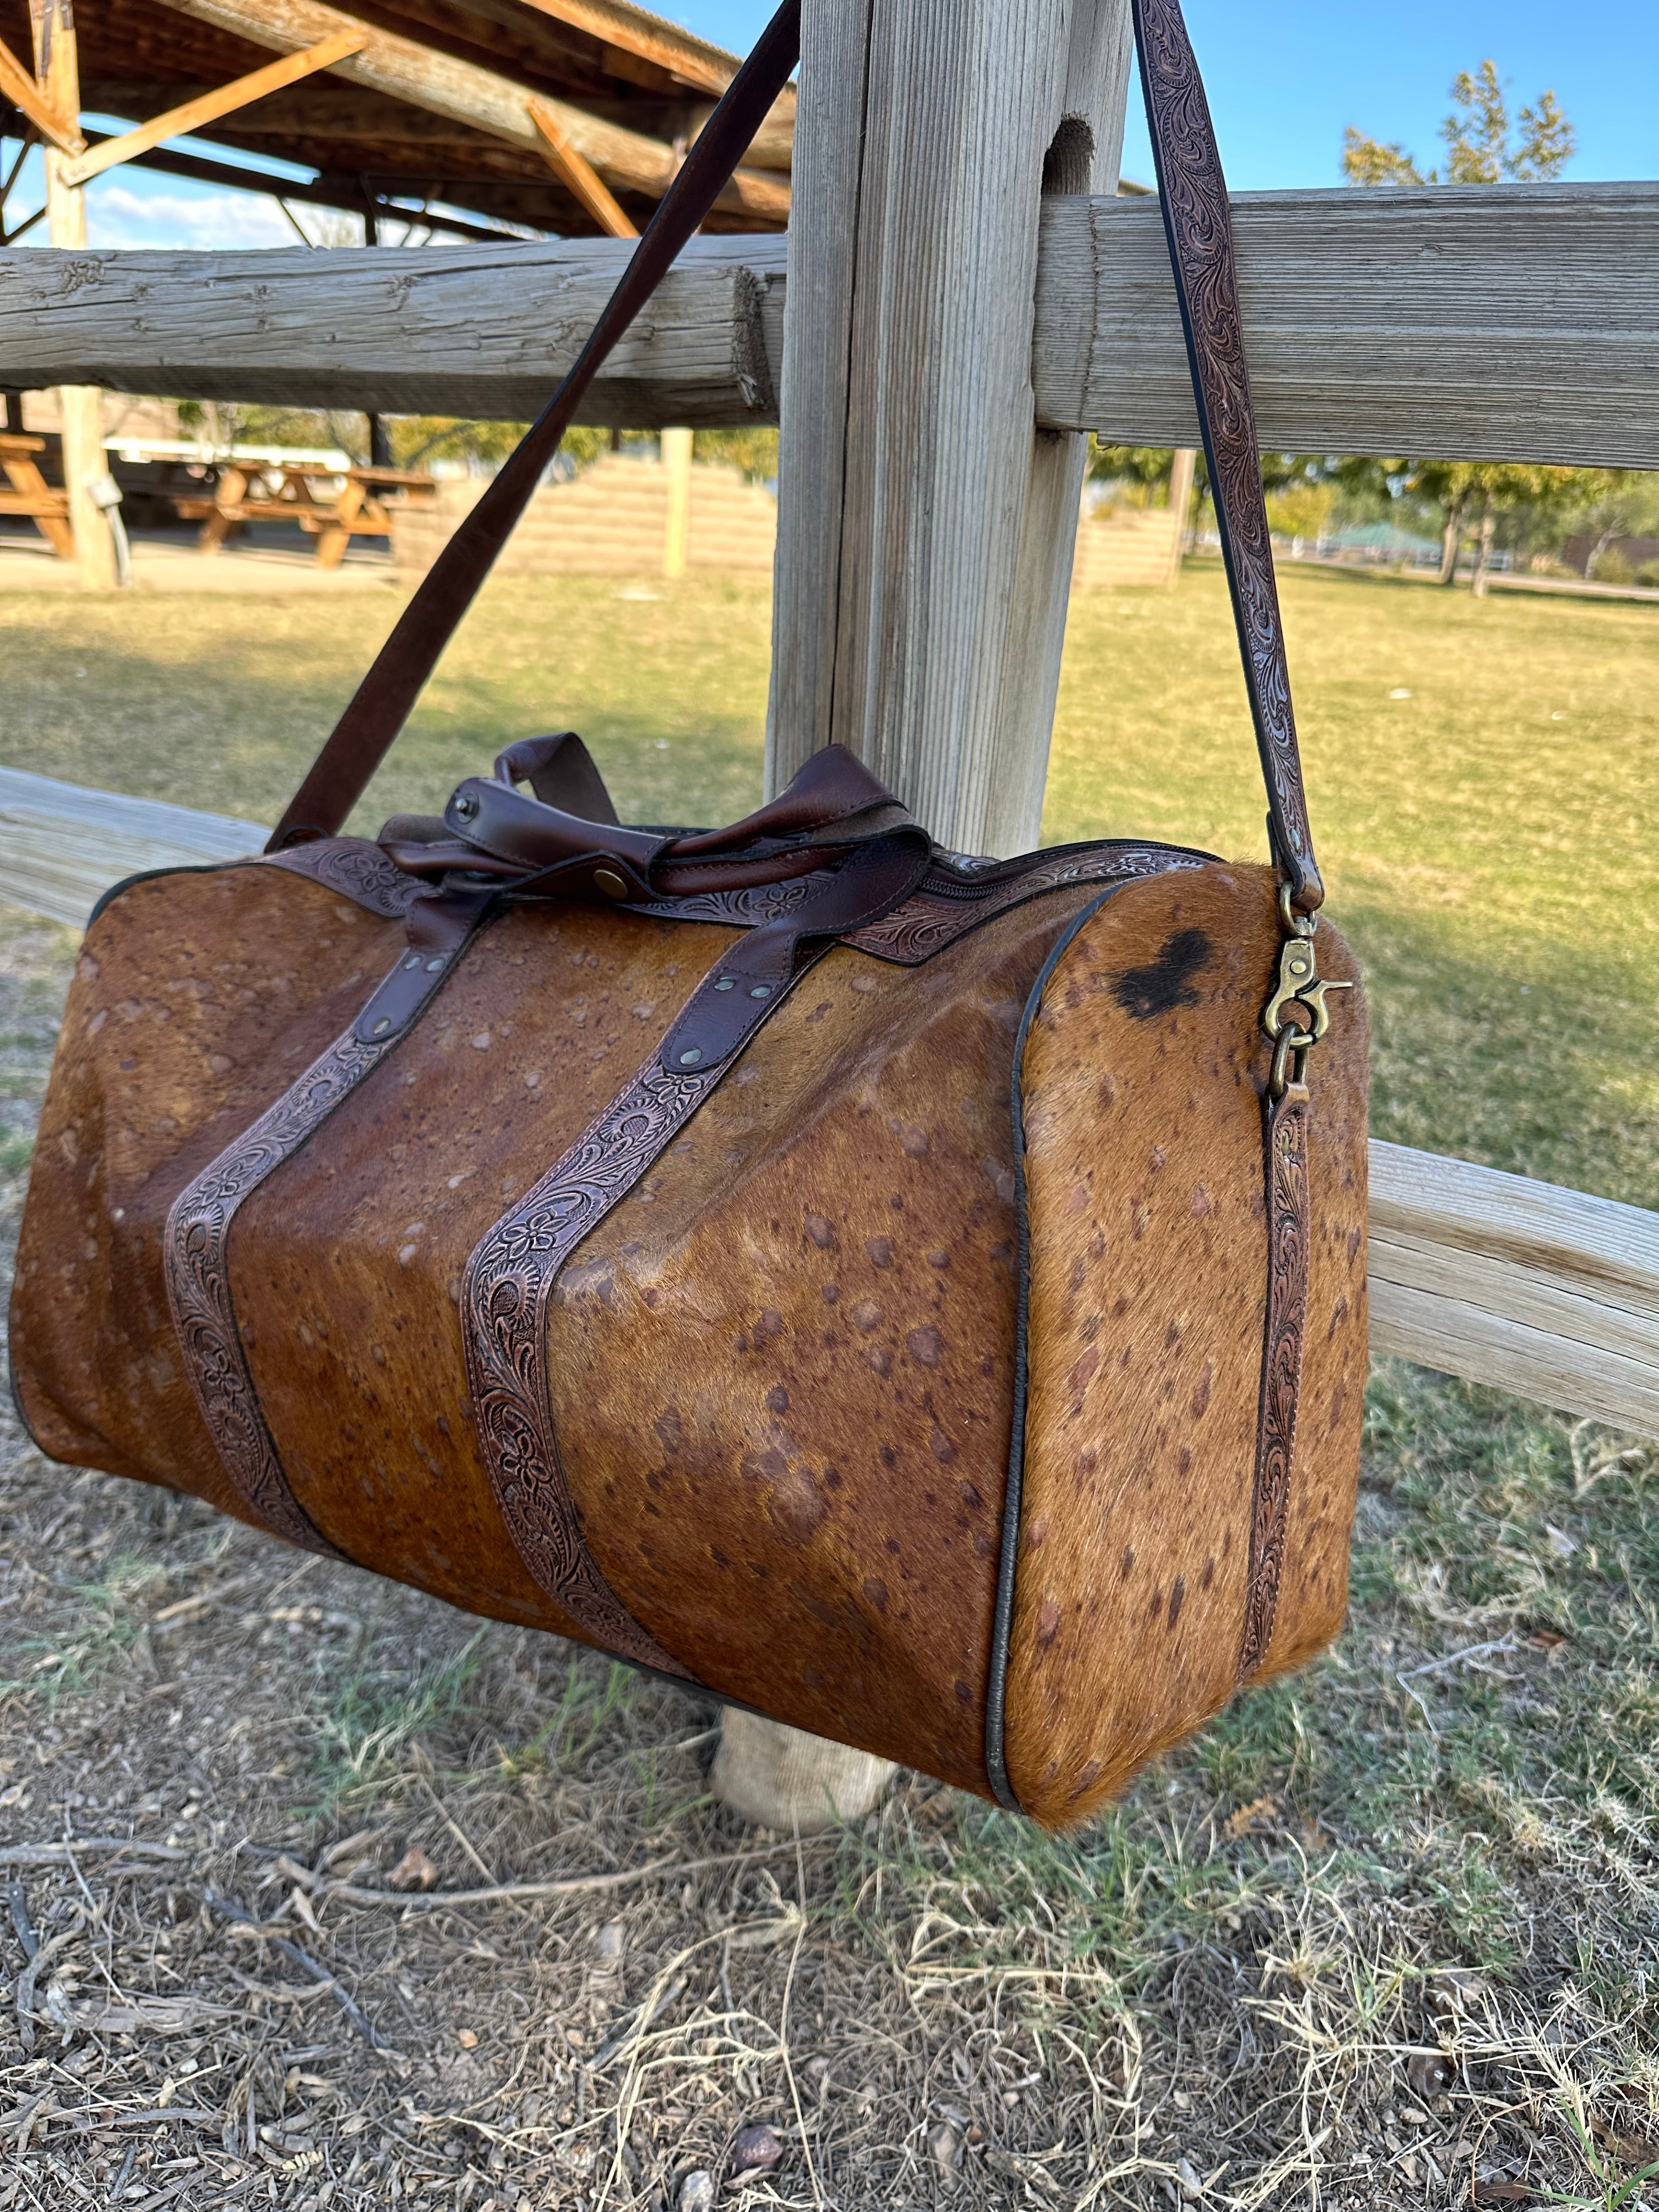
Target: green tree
{"points": [[1482, 492], [1482, 147]]}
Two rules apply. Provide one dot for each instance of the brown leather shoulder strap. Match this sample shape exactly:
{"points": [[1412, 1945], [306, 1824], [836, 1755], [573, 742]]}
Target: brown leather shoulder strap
{"points": [[1192, 194], [340, 774]]}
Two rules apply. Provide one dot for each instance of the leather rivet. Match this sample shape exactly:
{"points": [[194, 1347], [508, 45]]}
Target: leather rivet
{"points": [[761, 991], [433, 966], [692, 1056], [413, 961], [725, 983], [466, 806], [607, 881], [381, 1026]]}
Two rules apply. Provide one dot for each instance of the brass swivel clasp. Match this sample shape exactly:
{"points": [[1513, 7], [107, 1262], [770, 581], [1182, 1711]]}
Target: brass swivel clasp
{"points": [[1297, 1016]]}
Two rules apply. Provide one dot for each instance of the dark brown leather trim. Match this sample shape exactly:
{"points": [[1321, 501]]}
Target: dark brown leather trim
{"points": [[196, 1242], [1289, 1242]]}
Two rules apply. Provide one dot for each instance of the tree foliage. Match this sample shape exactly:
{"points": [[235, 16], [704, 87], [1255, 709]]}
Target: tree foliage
{"points": [[1482, 146]]}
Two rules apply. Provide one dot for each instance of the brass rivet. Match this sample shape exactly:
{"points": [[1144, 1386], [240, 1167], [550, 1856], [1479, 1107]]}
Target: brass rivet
{"points": [[691, 1055], [607, 881], [433, 966], [725, 983], [381, 1026], [761, 991]]}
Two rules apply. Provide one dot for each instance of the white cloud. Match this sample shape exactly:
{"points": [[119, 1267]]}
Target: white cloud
{"points": [[123, 214]]}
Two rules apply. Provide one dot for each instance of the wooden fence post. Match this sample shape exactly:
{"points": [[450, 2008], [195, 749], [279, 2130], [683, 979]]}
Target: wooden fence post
{"points": [[676, 529], [55, 65], [926, 526]]}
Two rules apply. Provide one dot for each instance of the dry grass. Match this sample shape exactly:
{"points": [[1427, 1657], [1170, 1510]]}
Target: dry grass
{"points": [[1386, 1936]]}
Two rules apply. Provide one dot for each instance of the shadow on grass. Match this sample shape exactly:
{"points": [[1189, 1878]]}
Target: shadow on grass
{"points": [[1528, 1062]]}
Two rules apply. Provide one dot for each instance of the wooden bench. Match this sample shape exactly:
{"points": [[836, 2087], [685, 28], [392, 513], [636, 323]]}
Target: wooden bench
{"points": [[284, 491], [32, 496]]}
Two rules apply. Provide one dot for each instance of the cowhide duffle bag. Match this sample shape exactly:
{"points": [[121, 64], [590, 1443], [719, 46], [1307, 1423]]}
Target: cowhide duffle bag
{"points": [[918, 1297]]}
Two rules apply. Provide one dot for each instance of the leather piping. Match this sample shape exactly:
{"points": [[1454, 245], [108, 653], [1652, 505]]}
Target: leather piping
{"points": [[1002, 1621]]}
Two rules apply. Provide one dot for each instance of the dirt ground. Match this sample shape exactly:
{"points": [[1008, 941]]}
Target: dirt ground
{"points": [[1383, 1937]]}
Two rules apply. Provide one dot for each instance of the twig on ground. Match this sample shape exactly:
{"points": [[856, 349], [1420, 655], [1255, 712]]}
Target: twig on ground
{"points": [[60, 1854], [230, 1910], [572, 1886]]}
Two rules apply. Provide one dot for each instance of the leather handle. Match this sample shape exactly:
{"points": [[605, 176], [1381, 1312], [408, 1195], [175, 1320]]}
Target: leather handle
{"points": [[364, 735], [1198, 224], [1193, 195]]}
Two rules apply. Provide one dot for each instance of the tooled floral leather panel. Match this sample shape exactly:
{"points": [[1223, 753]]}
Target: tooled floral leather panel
{"points": [[195, 1242], [1288, 1239], [1198, 223], [195, 1254], [355, 868], [505, 1296]]}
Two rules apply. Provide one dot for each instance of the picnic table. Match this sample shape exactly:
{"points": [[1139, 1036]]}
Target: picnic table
{"points": [[31, 495], [334, 505]]}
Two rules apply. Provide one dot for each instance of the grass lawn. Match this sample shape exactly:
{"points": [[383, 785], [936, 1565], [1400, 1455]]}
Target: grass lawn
{"points": [[1383, 1934]]}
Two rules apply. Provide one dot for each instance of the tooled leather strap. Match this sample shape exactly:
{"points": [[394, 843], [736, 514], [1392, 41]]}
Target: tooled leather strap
{"points": [[196, 1242], [1193, 195], [1284, 1337], [340, 774]]}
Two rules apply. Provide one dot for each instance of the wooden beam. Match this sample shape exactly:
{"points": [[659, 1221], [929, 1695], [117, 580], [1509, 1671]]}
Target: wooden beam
{"points": [[491, 328], [1547, 1293], [208, 107], [62, 845], [1488, 322], [1377, 322], [51, 23], [926, 527], [162, 161], [425, 78], [693, 61], [17, 85], [579, 175]]}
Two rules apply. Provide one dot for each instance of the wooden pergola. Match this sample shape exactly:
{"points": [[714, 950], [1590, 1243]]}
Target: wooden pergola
{"points": [[473, 119], [507, 108]]}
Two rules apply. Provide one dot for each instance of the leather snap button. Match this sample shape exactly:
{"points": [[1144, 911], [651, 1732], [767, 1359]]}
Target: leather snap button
{"points": [[607, 881], [761, 991], [379, 1027], [466, 806], [692, 1056], [725, 983]]}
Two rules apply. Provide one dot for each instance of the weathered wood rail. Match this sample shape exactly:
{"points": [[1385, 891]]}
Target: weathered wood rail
{"points": [[1545, 1291], [1493, 322]]}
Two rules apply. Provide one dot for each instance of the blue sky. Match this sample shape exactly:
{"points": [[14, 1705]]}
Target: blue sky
{"points": [[1284, 77]]}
